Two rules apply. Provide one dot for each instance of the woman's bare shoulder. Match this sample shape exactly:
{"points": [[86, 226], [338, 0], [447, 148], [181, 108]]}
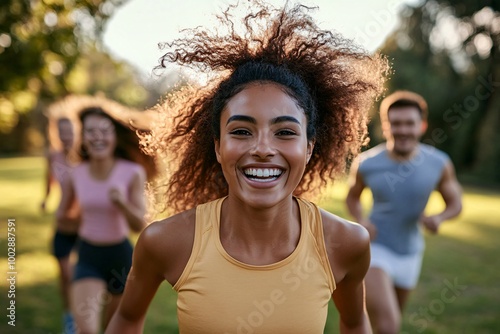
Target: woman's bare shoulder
{"points": [[168, 243], [343, 233], [172, 232], [345, 241]]}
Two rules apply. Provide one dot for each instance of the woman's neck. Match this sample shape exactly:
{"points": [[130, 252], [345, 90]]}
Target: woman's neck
{"points": [[272, 232], [100, 169]]}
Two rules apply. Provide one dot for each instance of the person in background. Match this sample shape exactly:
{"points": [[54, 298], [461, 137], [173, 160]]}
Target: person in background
{"points": [[109, 187], [285, 106], [61, 159], [401, 174]]}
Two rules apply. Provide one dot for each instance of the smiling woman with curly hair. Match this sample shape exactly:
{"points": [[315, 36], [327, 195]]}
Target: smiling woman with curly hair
{"points": [[284, 109]]}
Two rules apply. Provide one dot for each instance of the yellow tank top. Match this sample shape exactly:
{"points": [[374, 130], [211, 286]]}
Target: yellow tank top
{"points": [[218, 294]]}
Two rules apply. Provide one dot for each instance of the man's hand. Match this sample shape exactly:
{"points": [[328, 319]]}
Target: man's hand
{"points": [[431, 223]]}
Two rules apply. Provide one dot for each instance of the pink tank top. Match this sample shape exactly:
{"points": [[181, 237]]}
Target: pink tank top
{"points": [[102, 221]]}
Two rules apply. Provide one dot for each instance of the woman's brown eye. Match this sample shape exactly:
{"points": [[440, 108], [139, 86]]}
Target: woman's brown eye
{"points": [[286, 133], [240, 132]]}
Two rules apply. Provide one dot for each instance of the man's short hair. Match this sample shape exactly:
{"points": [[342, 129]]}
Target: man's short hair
{"points": [[403, 98]]}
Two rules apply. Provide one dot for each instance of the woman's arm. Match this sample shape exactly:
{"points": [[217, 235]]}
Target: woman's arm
{"points": [[142, 283], [348, 247], [48, 181], [67, 200], [133, 208], [349, 297], [161, 253]]}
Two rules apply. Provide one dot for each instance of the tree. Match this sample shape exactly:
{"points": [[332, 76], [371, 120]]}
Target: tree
{"points": [[449, 52], [47, 48]]}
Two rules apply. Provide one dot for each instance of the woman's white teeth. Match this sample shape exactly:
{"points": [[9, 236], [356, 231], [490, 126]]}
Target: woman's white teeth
{"points": [[263, 172], [98, 145]]}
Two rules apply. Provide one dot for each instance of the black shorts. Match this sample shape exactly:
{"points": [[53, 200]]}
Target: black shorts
{"points": [[109, 263], [63, 244]]}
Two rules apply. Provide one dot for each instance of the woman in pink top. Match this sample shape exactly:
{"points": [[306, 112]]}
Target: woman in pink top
{"points": [[61, 159], [109, 188]]}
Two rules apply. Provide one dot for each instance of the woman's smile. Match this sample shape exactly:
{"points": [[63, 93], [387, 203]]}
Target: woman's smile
{"points": [[263, 143]]}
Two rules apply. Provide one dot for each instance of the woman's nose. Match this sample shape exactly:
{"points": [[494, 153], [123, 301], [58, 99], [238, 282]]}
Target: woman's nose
{"points": [[263, 147]]}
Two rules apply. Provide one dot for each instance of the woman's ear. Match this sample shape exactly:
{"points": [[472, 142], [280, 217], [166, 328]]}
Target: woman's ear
{"points": [[310, 149], [217, 149]]}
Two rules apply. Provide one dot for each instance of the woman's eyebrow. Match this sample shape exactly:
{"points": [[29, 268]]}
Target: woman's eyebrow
{"points": [[241, 118], [281, 119], [249, 119]]}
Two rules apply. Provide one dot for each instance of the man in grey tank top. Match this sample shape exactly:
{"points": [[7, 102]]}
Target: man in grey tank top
{"points": [[401, 174]]}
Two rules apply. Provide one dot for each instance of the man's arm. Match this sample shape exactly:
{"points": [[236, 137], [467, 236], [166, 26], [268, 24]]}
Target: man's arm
{"points": [[450, 190], [353, 199]]}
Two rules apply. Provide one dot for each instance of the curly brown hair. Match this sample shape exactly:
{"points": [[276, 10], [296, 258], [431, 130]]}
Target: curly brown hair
{"points": [[332, 79]]}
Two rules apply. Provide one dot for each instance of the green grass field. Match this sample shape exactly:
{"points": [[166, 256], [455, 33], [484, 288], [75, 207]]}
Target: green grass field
{"points": [[459, 289]]}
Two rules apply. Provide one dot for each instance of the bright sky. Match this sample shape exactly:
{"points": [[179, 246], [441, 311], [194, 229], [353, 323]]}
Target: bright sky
{"points": [[135, 30]]}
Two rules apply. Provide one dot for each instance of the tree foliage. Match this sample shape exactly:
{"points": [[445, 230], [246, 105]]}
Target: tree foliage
{"points": [[49, 49], [448, 51]]}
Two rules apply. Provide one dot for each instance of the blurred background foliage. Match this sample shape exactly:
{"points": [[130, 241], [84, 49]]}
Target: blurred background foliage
{"points": [[48, 50], [448, 51]]}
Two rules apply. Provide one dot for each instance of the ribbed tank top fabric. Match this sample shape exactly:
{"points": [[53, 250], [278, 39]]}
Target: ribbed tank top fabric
{"points": [[219, 294]]}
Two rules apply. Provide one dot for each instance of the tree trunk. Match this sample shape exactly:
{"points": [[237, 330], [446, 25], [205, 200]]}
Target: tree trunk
{"points": [[488, 157]]}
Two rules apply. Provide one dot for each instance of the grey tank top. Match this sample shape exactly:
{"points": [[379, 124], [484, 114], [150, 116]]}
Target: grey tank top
{"points": [[400, 193]]}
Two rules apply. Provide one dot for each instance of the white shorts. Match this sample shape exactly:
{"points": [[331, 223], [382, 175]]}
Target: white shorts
{"points": [[404, 270]]}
